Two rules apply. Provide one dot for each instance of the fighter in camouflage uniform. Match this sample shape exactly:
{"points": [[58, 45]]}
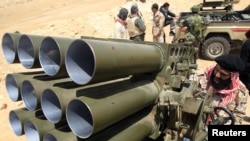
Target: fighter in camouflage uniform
{"points": [[196, 26], [194, 23], [234, 96], [228, 90]]}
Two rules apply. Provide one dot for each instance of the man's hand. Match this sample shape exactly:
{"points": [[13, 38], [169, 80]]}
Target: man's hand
{"points": [[159, 34], [176, 17], [156, 36]]}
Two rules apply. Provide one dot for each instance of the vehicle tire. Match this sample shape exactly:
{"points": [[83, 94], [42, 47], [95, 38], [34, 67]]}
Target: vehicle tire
{"points": [[214, 47]]}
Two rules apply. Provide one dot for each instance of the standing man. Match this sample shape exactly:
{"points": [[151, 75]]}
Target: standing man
{"points": [[169, 17], [196, 26], [139, 13], [158, 24], [245, 56], [121, 31], [228, 91], [136, 26]]}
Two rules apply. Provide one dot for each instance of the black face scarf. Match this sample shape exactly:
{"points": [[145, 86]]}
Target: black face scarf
{"points": [[221, 85]]}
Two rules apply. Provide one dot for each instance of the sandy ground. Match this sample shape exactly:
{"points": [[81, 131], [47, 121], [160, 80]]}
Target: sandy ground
{"points": [[68, 18]]}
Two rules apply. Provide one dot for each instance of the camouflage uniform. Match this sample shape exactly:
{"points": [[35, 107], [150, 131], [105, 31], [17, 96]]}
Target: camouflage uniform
{"points": [[237, 106], [196, 22], [195, 25]]}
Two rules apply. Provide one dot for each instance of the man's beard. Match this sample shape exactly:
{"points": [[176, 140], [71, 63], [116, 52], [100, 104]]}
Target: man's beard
{"points": [[221, 84]]}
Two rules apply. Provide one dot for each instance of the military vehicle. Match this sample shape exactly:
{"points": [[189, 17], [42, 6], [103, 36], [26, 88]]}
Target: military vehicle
{"points": [[96, 89], [226, 30]]}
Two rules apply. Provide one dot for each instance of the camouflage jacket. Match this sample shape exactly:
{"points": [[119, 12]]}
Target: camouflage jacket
{"points": [[196, 24]]}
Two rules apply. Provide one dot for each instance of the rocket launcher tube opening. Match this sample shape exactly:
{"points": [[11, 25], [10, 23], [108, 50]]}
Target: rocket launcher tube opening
{"points": [[9, 49], [89, 115], [29, 96], [80, 62], [78, 111], [15, 123], [31, 131], [25, 51], [62, 133], [12, 88], [51, 106], [49, 137], [92, 60], [49, 56]]}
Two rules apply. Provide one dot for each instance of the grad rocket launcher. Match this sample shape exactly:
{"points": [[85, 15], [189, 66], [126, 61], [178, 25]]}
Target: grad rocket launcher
{"points": [[104, 89]]}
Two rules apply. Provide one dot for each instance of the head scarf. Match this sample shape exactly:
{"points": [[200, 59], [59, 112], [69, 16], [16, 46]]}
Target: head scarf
{"points": [[228, 93]]}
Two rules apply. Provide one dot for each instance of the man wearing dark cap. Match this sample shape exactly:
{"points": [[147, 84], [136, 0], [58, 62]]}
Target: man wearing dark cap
{"points": [[136, 26], [228, 90], [121, 31], [245, 56], [139, 13]]}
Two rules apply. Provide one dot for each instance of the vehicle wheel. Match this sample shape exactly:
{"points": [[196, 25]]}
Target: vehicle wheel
{"points": [[214, 47]]}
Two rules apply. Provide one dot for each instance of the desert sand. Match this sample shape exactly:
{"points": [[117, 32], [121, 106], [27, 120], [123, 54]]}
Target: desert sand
{"points": [[69, 18]]}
